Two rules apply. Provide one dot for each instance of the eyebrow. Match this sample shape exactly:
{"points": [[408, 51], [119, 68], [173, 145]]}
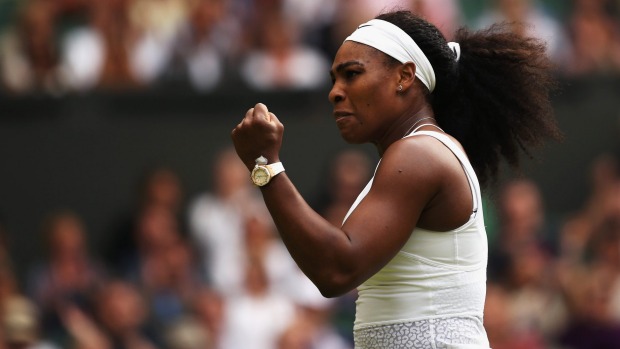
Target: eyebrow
{"points": [[344, 65]]}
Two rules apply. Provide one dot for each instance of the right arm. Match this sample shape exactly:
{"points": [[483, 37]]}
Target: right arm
{"points": [[339, 259]]}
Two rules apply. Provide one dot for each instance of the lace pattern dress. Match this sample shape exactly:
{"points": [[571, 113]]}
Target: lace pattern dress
{"points": [[448, 333]]}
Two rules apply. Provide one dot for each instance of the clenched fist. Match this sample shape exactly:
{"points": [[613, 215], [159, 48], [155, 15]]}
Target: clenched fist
{"points": [[258, 134]]}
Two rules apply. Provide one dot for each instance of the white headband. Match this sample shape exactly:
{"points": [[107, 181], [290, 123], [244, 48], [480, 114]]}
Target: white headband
{"points": [[393, 41]]}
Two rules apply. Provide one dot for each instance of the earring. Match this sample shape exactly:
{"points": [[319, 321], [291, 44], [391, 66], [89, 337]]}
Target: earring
{"points": [[400, 88]]}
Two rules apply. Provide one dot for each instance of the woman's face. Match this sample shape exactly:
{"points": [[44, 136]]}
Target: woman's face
{"points": [[364, 92]]}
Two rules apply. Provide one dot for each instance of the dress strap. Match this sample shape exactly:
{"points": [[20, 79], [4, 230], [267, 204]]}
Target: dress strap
{"points": [[417, 128], [462, 157], [467, 168]]}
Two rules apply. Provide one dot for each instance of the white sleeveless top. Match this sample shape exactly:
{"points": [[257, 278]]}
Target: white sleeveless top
{"points": [[436, 274]]}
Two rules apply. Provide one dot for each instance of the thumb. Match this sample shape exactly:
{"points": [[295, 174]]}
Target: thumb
{"points": [[261, 111]]}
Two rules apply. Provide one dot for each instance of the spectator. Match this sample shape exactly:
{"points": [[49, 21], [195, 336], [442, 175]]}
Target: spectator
{"points": [[82, 54], [157, 187], [187, 333], [169, 283], [534, 296], [499, 323], [300, 334], [209, 310], [67, 277], [217, 219], [110, 19], [16, 75], [296, 335], [163, 267], [8, 282], [256, 317], [81, 48], [122, 315], [521, 226], [444, 14], [595, 38], [523, 264], [347, 16], [156, 24], [591, 324], [315, 19], [528, 17], [20, 325], [604, 253], [280, 60], [263, 245], [36, 27], [95, 54], [348, 173], [601, 204], [203, 44], [313, 327]]}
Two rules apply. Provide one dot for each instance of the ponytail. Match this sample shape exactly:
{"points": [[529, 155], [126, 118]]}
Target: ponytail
{"points": [[495, 99]]}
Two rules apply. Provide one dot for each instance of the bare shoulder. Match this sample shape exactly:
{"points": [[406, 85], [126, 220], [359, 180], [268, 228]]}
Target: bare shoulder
{"points": [[413, 167], [422, 156], [434, 175]]}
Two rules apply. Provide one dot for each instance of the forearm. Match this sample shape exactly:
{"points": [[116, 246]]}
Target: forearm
{"points": [[322, 251]]}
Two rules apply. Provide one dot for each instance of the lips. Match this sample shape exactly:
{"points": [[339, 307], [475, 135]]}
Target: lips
{"points": [[341, 114], [342, 118]]}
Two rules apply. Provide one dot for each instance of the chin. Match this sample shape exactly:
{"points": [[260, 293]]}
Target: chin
{"points": [[351, 139]]}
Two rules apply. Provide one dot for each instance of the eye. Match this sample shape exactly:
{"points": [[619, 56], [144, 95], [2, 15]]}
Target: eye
{"points": [[350, 74]]}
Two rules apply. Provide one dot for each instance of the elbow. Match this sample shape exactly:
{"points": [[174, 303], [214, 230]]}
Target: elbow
{"points": [[333, 292], [337, 275], [335, 285]]}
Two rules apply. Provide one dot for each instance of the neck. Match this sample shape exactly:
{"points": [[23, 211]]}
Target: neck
{"points": [[419, 123], [404, 125]]}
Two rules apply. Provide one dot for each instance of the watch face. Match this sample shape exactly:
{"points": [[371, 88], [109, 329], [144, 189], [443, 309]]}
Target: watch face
{"points": [[260, 176]]}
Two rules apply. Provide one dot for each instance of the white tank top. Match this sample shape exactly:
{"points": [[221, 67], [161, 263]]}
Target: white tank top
{"points": [[435, 274]]}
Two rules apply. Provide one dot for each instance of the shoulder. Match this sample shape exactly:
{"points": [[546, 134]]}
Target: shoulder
{"points": [[420, 162], [413, 165], [422, 153]]}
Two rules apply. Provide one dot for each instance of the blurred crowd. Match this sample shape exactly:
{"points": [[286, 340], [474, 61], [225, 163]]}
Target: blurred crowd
{"points": [[64, 46], [209, 271], [177, 272], [556, 286]]}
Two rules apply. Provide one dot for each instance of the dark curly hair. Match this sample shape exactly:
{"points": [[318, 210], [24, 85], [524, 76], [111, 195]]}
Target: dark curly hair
{"points": [[496, 98]]}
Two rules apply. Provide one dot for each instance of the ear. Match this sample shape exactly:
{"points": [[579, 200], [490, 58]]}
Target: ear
{"points": [[407, 75]]}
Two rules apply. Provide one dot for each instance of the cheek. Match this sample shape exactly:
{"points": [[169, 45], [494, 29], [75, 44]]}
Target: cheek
{"points": [[374, 100], [368, 93]]}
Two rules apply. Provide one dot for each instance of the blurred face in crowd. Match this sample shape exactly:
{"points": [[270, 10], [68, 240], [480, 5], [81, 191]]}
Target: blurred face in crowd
{"points": [[206, 13], [163, 187], [157, 228], [521, 207], [351, 171], [514, 10], [66, 235], [120, 308], [230, 174], [210, 308]]}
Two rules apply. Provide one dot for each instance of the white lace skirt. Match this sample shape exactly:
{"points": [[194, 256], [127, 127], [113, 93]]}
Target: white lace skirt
{"points": [[443, 333]]}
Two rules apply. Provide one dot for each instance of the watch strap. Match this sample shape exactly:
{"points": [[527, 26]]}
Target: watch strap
{"points": [[275, 168]]}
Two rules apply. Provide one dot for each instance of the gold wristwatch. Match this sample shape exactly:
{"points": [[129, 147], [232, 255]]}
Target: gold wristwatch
{"points": [[262, 173]]}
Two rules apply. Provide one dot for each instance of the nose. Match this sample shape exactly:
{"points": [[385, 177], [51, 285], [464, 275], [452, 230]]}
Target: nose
{"points": [[336, 94]]}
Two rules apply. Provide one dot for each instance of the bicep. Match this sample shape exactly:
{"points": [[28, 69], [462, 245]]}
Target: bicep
{"points": [[383, 221]]}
